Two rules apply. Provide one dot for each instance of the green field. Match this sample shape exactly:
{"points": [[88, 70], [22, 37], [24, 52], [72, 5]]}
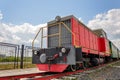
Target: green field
{"points": [[8, 63], [11, 66], [12, 59]]}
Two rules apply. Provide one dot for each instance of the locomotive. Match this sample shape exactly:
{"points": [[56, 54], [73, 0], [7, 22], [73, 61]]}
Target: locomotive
{"points": [[72, 45]]}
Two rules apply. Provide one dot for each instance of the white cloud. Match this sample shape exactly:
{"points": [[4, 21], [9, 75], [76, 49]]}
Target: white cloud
{"points": [[24, 28], [1, 16], [80, 19], [110, 22], [15, 37], [19, 34], [1, 39], [30, 41]]}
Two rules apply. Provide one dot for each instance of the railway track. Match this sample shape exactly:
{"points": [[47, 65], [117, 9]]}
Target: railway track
{"points": [[50, 76]]}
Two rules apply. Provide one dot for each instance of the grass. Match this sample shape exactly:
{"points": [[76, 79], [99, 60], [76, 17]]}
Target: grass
{"points": [[27, 59], [8, 63], [11, 66], [6, 66], [12, 59], [27, 65], [8, 59]]}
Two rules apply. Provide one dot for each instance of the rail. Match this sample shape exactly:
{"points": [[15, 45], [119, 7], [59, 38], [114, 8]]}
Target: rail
{"points": [[48, 75], [15, 77]]}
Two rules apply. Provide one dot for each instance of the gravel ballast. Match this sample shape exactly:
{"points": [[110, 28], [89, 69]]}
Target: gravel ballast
{"points": [[110, 72]]}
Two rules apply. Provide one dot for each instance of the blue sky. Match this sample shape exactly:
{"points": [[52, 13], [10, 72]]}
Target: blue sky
{"points": [[42, 11], [21, 19]]}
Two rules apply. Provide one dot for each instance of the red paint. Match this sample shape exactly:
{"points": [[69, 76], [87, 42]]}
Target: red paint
{"points": [[65, 59], [84, 37], [101, 54], [55, 56], [53, 67], [104, 46], [75, 30]]}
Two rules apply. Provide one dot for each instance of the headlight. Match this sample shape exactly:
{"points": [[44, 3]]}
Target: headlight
{"points": [[43, 58], [63, 50], [35, 52]]}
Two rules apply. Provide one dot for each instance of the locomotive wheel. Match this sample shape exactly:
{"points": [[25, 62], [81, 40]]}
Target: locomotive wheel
{"points": [[86, 64], [73, 67], [83, 65], [77, 66]]}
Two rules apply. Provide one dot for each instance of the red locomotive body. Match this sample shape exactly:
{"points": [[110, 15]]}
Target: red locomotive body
{"points": [[84, 37], [104, 46], [53, 68], [69, 44]]}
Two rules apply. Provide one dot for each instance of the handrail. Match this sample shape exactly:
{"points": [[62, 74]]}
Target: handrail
{"points": [[59, 33], [56, 34], [35, 38], [70, 32]]}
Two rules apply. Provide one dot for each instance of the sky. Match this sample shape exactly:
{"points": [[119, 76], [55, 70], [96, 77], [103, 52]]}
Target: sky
{"points": [[21, 19]]}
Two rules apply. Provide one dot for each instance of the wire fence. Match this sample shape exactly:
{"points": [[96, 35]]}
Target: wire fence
{"points": [[27, 57], [13, 56]]}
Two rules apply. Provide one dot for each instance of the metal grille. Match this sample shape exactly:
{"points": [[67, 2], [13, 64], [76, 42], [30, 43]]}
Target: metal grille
{"points": [[64, 34]]}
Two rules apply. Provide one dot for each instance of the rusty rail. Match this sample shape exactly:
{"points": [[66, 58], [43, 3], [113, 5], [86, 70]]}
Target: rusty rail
{"points": [[48, 75]]}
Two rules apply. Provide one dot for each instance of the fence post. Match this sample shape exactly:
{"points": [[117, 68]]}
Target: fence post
{"points": [[22, 55], [15, 57]]}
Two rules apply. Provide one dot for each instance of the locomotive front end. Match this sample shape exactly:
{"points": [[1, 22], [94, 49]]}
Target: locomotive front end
{"points": [[54, 59], [60, 53]]}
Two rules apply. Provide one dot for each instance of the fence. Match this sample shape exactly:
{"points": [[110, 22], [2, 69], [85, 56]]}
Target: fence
{"points": [[26, 57], [8, 55], [13, 56]]}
